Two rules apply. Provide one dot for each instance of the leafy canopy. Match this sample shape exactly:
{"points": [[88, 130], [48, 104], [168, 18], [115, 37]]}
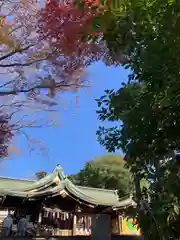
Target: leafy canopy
{"points": [[106, 171], [147, 105]]}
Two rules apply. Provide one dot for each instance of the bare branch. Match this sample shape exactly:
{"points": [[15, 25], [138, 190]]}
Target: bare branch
{"points": [[33, 142], [14, 104], [10, 116], [15, 51], [5, 84], [59, 85]]}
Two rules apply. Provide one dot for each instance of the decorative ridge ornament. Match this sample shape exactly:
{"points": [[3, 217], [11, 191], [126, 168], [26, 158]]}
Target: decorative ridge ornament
{"points": [[60, 171]]}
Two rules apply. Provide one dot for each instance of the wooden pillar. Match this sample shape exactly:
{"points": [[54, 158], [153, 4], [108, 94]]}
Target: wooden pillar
{"points": [[115, 225], [101, 227], [74, 224]]}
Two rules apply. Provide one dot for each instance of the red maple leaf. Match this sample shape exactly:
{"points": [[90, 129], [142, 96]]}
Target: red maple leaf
{"points": [[62, 25]]}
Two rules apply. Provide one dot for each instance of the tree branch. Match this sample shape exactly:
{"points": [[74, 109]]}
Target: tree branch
{"points": [[14, 92], [5, 84], [22, 64], [15, 51]]}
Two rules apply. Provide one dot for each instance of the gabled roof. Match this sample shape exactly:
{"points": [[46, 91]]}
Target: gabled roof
{"points": [[57, 183]]}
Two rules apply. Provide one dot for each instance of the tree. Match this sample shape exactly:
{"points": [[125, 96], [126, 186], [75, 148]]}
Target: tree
{"points": [[29, 51], [147, 106], [107, 171], [36, 64], [41, 174], [32, 72], [145, 158], [42, 53], [64, 25]]}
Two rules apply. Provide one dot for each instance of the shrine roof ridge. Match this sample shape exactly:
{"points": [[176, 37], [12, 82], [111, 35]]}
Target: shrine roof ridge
{"points": [[57, 183], [18, 179]]}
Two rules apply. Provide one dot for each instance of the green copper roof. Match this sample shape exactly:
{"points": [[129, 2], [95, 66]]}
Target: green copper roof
{"points": [[9, 183], [53, 184]]}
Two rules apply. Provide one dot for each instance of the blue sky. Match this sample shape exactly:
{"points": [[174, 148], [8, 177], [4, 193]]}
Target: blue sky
{"points": [[74, 141]]}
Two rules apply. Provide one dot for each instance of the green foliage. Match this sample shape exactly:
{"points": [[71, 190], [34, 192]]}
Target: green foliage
{"points": [[107, 171], [164, 212], [147, 106]]}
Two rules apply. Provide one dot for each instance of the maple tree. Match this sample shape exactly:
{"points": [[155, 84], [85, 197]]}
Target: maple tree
{"points": [[32, 70], [25, 52], [43, 52], [64, 25]]}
